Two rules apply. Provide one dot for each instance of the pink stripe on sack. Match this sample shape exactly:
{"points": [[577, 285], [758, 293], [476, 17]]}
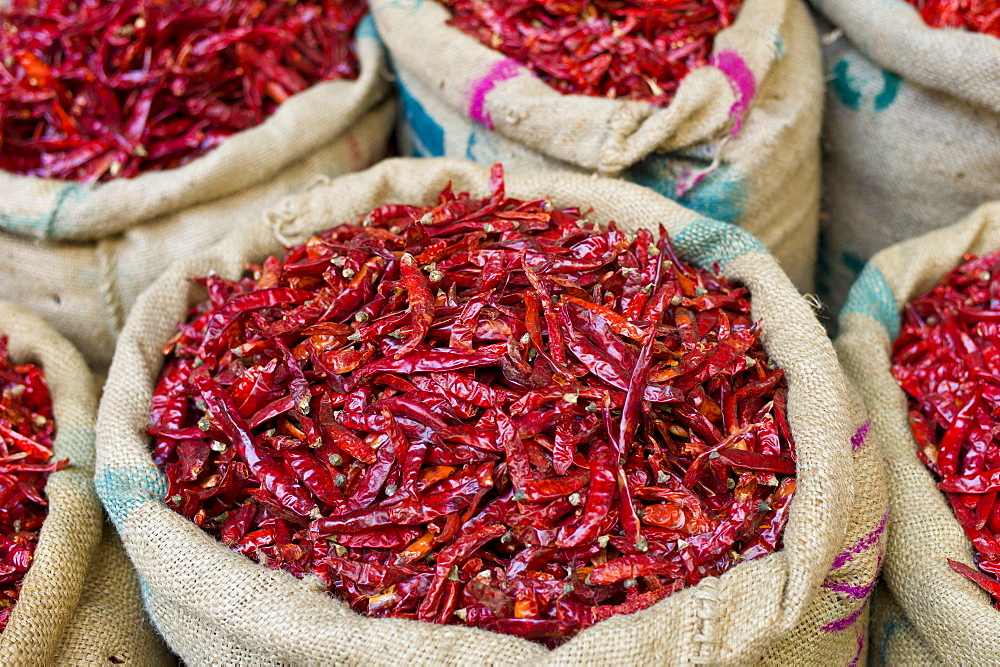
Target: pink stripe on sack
{"points": [[858, 441], [861, 647], [852, 591], [741, 79], [846, 622], [863, 544], [500, 72]]}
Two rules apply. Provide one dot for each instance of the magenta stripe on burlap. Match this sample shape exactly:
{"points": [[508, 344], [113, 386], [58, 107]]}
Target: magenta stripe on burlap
{"points": [[500, 72]]}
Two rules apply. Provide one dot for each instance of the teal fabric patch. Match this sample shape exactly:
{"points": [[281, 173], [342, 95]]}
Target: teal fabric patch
{"points": [[44, 226], [871, 295], [890, 90], [844, 86], [122, 490], [721, 195], [77, 444], [427, 134], [366, 29], [858, 83], [706, 242]]}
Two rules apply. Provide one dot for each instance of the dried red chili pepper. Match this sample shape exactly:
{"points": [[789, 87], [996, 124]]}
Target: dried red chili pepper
{"points": [[26, 432], [974, 15], [94, 90], [947, 359], [630, 49], [508, 449]]}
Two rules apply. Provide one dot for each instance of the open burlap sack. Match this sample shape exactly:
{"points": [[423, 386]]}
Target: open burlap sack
{"points": [[59, 582], [912, 132], [739, 143], [808, 601], [79, 255], [950, 615]]}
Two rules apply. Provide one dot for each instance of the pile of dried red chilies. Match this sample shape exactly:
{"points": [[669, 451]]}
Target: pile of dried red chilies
{"points": [[93, 90], [26, 432], [487, 412], [947, 359], [630, 49], [975, 15]]}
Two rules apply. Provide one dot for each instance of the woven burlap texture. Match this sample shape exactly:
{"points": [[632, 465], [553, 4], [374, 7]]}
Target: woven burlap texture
{"points": [[46, 619], [111, 626], [214, 605], [951, 614], [79, 255], [912, 132], [739, 141], [894, 640]]}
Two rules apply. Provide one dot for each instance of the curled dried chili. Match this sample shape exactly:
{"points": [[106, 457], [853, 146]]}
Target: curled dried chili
{"points": [[973, 15], [26, 433], [947, 360], [94, 90], [490, 412], [629, 49]]}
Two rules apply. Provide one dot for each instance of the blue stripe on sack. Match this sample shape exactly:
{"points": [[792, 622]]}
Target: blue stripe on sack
{"points": [[77, 444], [428, 135], [44, 225], [366, 29], [122, 490], [721, 195], [707, 241], [871, 295]]}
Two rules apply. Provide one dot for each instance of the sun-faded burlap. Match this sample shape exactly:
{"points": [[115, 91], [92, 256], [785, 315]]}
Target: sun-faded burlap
{"points": [[912, 132], [806, 602], [58, 585], [739, 143], [79, 255], [948, 612]]}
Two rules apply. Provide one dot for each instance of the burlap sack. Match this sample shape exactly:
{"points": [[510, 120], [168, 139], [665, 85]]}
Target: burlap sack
{"points": [[894, 640], [214, 605], [57, 586], [739, 142], [110, 624], [79, 255], [948, 614], [912, 132]]}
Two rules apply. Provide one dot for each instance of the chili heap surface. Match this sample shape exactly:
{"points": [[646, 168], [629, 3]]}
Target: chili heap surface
{"points": [[488, 412], [975, 15], [632, 49], [26, 432], [947, 359], [93, 90]]}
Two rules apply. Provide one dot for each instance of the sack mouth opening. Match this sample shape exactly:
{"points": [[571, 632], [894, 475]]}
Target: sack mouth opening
{"points": [[811, 504], [633, 129], [202, 180], [74, 516]]}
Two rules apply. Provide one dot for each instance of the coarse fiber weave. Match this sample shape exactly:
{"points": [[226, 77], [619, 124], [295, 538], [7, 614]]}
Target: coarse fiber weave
{"points": [[932, 611], [49, 623], [739, 143], [911, 132], [807, 601], [79, 255]]}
